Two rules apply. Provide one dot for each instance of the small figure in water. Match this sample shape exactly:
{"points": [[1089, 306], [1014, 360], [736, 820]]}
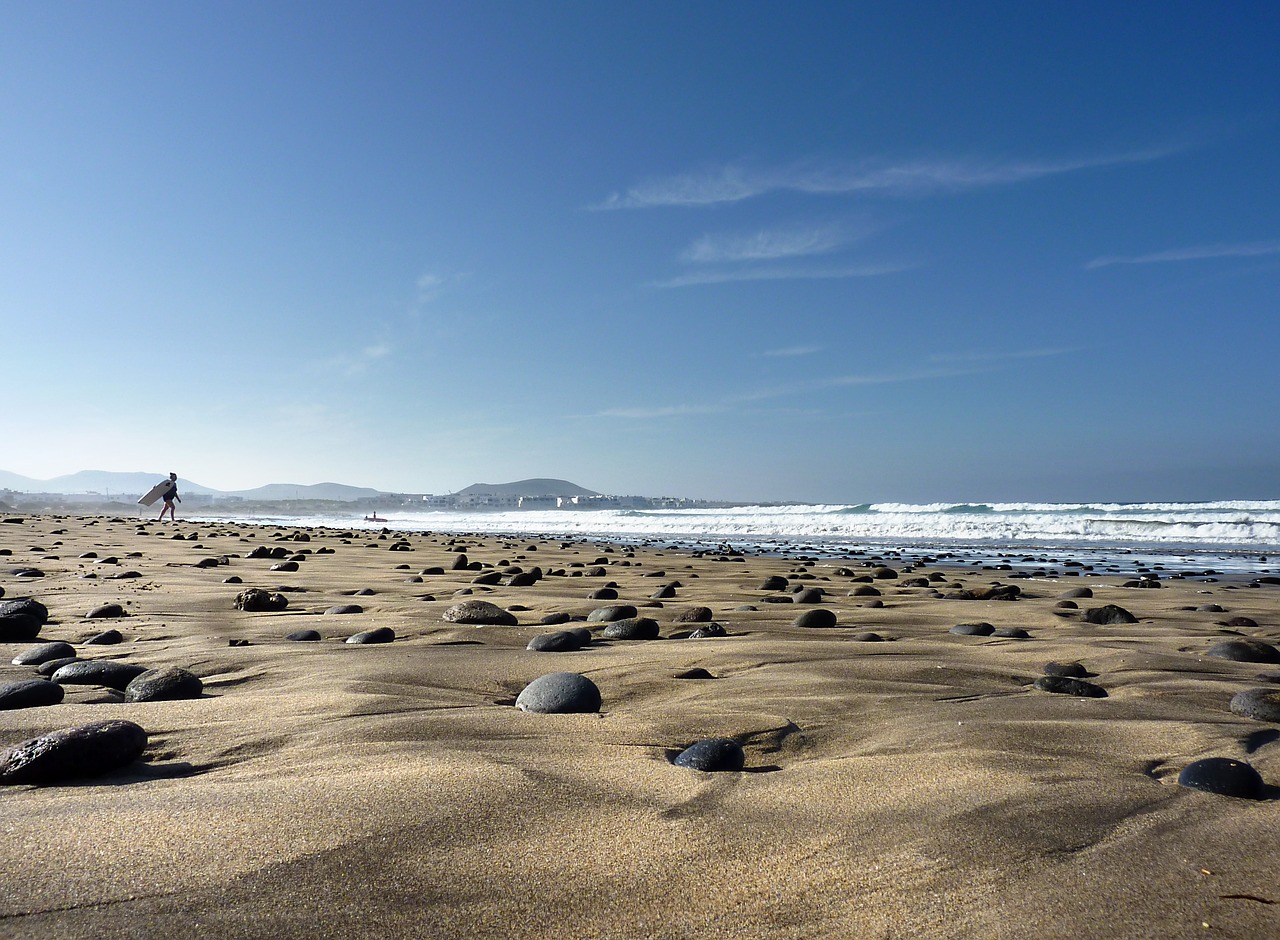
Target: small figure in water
{"points": [[170, 495]]}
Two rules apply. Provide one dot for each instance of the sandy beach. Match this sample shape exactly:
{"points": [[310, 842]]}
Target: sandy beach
{"points": [[915, 786]]}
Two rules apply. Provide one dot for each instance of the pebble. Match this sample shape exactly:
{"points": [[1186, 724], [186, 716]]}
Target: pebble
{"points": [[109, 672], [256, 599], [1108, 615], [712, 755], [106, 612], [697, 672], [163, 685], [30, 693], [50, 666], [303, 636], [695, 615], [479, 612], [632, 628], [972, 629], [1012, 633], [1223, 776], [818, 617], [1258, 704], [105, 638], [345, 609], [610, 614], [378, 635], [43, 652], [560, 693], [1245, 650], [21, 619], [87, 751], [708, 631], [1074, 670], [1065, 685], [563, 641]]}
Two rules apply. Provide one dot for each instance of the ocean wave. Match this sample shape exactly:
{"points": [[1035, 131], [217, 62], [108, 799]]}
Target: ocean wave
{"points": [[1230, 524]]}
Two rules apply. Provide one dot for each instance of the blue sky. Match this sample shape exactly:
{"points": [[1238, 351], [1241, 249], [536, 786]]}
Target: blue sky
{"points": [[834, 252]]}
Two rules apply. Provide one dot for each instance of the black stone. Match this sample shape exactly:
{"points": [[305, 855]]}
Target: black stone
{"points": [[163, 685], [1067, 686], [610, 614], [106, 612], [1108, 615], [1258, 704], [695, 615], [818, 617], [108, 672], [774, 583], [30, 693], [479, 612], [972, 629], [632, 628], [1066, 670], [1245, 650], [868, 637], [1223, 776], [42, 653], [21, 619], [712, 755], [560, 693], [550, 620], [87, 751], [563, 641], [345, 609], [50, 666], [378, 635], [105, 638], [708, 631], [303, 636], [808, 596], [1012, 633], [696, 672], [256, 599]]}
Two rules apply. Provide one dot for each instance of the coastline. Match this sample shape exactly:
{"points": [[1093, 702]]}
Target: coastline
{"points": [[919, 785]]}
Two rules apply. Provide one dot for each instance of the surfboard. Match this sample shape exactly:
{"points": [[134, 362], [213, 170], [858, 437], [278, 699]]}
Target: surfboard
{"points": [[155, 492]]}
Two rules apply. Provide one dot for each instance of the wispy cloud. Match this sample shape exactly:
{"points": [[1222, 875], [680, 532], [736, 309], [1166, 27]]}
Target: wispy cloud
{"points": [[1200, 253], [782, 273], [765, 245], [735, 402], [791, 351], [359, 362], [1005, 355], [668, 411], [731, 184]]}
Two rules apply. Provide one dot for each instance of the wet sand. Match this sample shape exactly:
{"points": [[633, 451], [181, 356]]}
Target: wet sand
{"points": [[915, 787]]}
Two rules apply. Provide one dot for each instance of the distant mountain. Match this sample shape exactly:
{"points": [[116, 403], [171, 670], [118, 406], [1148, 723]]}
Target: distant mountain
{"points": [[111, 483], [275, 492], [539, 487], [16, 481], [106, 482]]}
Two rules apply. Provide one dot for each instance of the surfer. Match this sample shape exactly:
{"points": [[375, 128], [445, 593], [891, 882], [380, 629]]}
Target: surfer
{"points": [[170, 495]]}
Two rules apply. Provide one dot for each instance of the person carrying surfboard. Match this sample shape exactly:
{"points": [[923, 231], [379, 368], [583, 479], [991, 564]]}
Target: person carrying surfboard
{"points": [[170, 495]]}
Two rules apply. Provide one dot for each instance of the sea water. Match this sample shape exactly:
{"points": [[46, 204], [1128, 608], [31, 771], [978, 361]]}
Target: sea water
{"points": [[1233, 535]]}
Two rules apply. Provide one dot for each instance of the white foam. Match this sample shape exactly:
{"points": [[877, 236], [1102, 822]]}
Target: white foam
{"points": [[1224, 524]]}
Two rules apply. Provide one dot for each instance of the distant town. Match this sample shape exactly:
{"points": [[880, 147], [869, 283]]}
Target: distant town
{"points": [[524, 495]]}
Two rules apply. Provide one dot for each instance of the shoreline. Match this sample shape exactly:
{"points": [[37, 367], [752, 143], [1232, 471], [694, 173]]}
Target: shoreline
{"points": [[918, 784]]}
